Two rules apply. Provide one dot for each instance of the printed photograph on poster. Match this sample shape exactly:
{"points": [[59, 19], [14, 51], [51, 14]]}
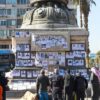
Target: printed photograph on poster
{"points": [[23, 73], [34, 74], [29, 74], [33, 55], [73, 62], [16, 73], [22, 34], [70, 62], [50, 41], [22, 47], [75, 54], [77, 46]]}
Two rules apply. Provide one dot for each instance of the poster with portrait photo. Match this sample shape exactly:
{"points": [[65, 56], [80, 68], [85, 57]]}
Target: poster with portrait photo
{"points": [[78, 46], [70, 62], [16, 73], [29, 74], [23, 73]]}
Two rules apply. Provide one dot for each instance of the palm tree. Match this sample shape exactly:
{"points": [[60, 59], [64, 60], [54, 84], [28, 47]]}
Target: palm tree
{"points": [[84, 10]]}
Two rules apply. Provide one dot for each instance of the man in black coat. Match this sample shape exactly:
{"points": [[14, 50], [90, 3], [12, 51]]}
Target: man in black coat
{"points": [[57, 83], [68, 86], [81, 85]]}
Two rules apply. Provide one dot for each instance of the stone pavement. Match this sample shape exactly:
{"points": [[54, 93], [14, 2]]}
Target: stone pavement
{"points": [[19, 99]]}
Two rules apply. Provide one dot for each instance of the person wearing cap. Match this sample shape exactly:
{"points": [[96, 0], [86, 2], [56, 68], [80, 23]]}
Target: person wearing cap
{"points": [[42, 84]]}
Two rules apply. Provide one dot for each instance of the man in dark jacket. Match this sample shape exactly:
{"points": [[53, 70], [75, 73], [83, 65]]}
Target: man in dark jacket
{"points": [[42, 84], [57, 83], [81, 85], [68, 86]]}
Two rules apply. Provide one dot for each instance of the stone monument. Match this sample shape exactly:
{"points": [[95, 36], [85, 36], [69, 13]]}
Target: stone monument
{"points": [[49, 37]]}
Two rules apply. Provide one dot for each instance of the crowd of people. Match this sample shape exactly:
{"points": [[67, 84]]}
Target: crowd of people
{"points": [[67, 87]]}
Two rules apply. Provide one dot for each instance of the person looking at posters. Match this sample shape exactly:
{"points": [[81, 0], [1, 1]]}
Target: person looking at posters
{"points": [[57, 84], [42, 84]]}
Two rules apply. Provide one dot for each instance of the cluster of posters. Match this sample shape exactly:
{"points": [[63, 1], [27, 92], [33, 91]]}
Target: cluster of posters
{"points": [[48, 41], [76, 57], [76, 54], [75, 62], [22, 85], [78, 46], [22, 47], [22, 34], [25, 73], [23, 55], [50, 58], [24, 62]]}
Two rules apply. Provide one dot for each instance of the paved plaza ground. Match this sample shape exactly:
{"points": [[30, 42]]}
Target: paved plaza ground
{"points": [[19, 99]]}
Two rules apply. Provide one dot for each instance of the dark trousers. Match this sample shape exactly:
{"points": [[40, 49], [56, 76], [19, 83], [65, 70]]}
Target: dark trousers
{"points": [[80, 94], [68, 93], [96, 92], [57, 95]]}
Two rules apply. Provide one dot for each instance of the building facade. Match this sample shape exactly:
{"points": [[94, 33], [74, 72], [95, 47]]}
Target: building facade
{"points": [[11, 12]]}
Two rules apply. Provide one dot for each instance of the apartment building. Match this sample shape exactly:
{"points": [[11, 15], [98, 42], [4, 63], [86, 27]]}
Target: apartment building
{"points": [[11, 12]]}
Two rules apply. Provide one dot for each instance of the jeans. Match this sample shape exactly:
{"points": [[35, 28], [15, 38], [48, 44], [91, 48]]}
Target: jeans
{"points": [[43, 95]]}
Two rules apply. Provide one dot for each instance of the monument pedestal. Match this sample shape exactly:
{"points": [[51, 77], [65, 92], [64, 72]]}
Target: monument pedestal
{"points": [[49, 37], [49, 48]]}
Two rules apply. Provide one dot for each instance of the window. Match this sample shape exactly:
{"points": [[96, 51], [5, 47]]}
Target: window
{"points": [[2, 12], [2, 23], [8, 11], [11, 1], [11, 12], [11, 22], [2, 1], [19, 22], [2, 33], [21, 12], [4, 46], [22, 1]]}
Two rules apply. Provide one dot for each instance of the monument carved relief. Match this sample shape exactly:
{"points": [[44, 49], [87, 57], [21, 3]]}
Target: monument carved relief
{"points": [[49, 13]]}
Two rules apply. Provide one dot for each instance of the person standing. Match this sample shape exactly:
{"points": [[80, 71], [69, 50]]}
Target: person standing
{"points": [[81, 85], [68, 86], [42, 84], [57, 83], [95, 81], [4, 82], [1, 91]]}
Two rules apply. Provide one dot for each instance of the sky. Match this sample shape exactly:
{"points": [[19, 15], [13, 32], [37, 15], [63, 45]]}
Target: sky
{"points": [[94, 27]]}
